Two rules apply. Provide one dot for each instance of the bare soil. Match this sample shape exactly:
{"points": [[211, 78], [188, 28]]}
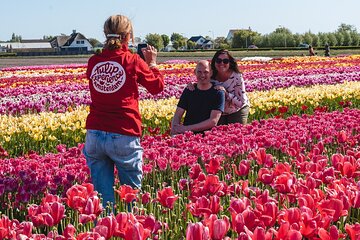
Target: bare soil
{"points": [[28, 61]]}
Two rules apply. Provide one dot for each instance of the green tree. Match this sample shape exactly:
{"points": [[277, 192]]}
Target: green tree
{"points": [[355, 39], [323, 38], [178, 40], [298, 39], [15, 38], [243, 38], [346, 28], [220, 42], [165, 39], [191, 44], [47, 37], [155, 40], [340, 38], [94, 42], [308, 38], [347, 38], [332, 39], [176, 37]]}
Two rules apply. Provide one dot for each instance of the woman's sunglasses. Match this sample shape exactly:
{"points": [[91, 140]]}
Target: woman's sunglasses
{"points": [[225, 60]]}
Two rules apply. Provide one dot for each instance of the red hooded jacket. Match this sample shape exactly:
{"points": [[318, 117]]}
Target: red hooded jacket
{"points": [[114, 76]]}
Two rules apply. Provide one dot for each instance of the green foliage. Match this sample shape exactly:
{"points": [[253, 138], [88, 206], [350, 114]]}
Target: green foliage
{"points": [[191, 44], [94, 42], [244, 38], [15, 38], [155, 40], [165, 39], [176, 37]]}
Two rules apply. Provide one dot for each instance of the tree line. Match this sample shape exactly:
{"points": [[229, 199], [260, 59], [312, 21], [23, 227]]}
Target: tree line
{"points": [[345, 35]]}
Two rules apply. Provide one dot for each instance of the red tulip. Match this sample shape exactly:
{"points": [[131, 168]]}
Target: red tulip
{"points": [[356, 201], [333, 233], [342, 136], [145, 198], [212, 185], [69, 231], [92, 209], [77, 195], [89, 235], [136, 231], [291, 215], [194, 171], [217, 227], [265, 176], [48, 213], [261, 157], [124, 220], [197, 231], [243, 169], [166, 197], [127, 193], [308, 226], [353, 231], [106, 226], [269, 214], [150, 223], [204, 206], [284, 182], [332, 207], [283, 109], [214, 165]]}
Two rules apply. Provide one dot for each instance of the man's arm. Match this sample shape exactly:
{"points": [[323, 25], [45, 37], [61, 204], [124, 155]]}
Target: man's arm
{"points": [[176, 122], [206, 124]]}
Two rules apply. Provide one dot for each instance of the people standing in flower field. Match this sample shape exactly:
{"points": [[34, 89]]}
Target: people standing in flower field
{"points": [[226, 74], [203, 105], [327, 50], [114, 122], [311, 51]]}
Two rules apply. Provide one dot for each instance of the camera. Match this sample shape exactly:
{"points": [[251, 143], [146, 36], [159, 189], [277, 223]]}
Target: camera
{"points": [[139, 47]]}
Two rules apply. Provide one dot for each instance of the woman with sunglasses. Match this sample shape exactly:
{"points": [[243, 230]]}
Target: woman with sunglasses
{"points": [[226, 75]]}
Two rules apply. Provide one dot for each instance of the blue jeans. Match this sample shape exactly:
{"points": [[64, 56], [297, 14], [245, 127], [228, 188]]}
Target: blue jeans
{"points": [[102, 151]]}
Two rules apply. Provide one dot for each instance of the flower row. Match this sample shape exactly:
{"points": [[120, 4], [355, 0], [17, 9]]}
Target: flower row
{"points": [[275, 178]]}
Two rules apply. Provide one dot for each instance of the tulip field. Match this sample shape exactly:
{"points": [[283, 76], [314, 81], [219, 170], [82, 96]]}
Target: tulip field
{"points": [[292, 172]]}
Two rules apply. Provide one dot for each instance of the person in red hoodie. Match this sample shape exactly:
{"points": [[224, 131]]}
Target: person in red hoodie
{"points": [[114, 122]]}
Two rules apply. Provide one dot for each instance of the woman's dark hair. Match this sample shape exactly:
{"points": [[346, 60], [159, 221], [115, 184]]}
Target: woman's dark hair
{"points": [[233, 65]]}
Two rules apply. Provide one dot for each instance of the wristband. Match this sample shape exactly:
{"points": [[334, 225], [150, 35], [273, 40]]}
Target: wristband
{"points": [[152, 65]]}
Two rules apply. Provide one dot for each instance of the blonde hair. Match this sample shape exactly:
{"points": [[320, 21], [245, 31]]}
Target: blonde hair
{"points": [[116, 29]]}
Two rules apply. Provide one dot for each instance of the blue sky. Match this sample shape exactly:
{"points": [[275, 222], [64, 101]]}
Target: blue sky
{"points": [[32, 19]]}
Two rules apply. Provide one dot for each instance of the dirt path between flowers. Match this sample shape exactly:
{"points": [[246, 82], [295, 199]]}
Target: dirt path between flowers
{"points": [[27, 61]]}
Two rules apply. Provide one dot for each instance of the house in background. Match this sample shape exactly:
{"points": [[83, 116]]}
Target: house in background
{"points": [[231, 32], [208, 44], [26, 45], [169, 47], [198, 40], [3, 49], [75, 43]]}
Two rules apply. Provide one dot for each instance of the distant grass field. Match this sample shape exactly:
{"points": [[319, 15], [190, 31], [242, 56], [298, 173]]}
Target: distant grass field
{"points": [[262, 53], [164, 56]]}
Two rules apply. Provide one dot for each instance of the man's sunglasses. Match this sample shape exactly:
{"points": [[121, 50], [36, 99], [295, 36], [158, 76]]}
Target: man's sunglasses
{"points": [[225, 60]]}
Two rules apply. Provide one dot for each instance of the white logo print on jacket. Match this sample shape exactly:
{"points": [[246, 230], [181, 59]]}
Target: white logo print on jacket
{"points": [[108, 77]]}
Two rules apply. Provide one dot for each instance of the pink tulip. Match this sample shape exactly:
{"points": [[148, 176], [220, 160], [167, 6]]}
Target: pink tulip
{"points": [[218, 228], [197, 231]]}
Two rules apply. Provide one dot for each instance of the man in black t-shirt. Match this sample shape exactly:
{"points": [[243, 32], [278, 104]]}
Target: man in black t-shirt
{"points": [[203, 106]]}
